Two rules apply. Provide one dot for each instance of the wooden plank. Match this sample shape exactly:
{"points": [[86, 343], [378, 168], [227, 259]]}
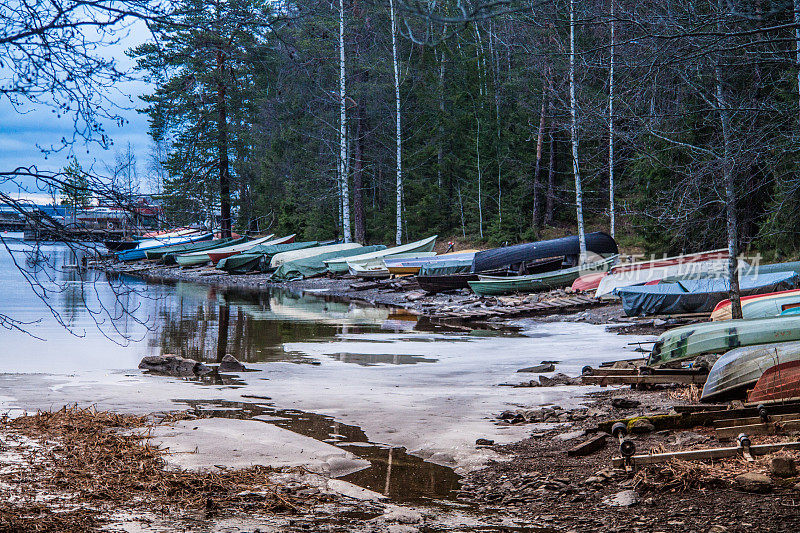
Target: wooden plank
{"points": [[745, 420], [622, 379], [769, 428], [695, 455], [586, 447]]}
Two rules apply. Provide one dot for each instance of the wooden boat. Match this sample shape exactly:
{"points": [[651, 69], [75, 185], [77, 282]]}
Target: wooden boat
{"points": [[376, 268], [780, 382], [218, 255], [149, 244], [401, 266], [741, 368], [509, 257], [498, 285], [697, 295], [340, 265], [630, 274], [686, 342], [202, 257], [285, 257], [760, 305]]}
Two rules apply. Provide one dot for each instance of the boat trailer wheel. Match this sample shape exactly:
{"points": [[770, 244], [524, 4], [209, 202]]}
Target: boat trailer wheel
{"points": [[587, 370], [743, 440], [619, 430], [762, 413], [627, 448]]}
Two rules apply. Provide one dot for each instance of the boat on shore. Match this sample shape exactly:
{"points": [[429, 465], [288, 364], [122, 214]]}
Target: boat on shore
{"points": [[377, 268], [257, 258], [778, 383], [741, 368], [697, 295], [340, 265], [202, 257], [403, 266], [159, 253], [759, 305], [140, 251], [315, 265], [687, 342], [499, 285], [515, 257], [222, 253], [714, 262]]}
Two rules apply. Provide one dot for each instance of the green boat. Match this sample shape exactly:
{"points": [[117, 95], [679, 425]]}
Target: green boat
{"points": [[307, 267], [258, 257], [498, 285], [690, 341], [190, 247]]}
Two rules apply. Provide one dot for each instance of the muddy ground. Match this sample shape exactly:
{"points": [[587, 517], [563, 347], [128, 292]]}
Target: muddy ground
{"points": [[538, 488]]}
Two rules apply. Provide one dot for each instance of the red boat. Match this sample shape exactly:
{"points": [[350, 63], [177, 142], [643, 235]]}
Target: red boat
{"points": [[780, 382], [588, 282]]}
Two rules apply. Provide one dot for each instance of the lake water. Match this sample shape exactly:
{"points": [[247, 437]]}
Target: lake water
{"points": [[409, 398]]}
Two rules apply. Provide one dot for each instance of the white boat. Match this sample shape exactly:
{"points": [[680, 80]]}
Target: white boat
{"points": [[198, 258], [633, 276], [293, 255], [376, 267], [340, 265]]}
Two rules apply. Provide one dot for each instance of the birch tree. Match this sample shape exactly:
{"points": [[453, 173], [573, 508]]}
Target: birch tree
{"points": [[573, 128], [398, 136], [612, 57], [343, 178]]}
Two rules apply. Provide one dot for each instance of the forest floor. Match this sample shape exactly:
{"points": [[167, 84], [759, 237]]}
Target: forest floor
{"points": [[538, 487]]}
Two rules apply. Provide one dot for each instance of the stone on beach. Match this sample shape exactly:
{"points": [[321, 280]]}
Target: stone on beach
{"points": [[173, 365], [753, 482], [626, 498], [230, 364], [538, 369], [782, 467]]}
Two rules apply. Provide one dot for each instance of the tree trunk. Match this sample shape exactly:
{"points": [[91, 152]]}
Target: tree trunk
{"points": [[538, 167], [358, 182], [440, 151], [222, 331], [796, 5], [222, 148], [611, 124], [573, 108], [551, 169], [396, 64], [480, 197], [343, 133]]}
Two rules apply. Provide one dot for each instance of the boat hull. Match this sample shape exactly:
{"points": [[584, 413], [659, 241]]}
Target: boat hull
{"points": [[759, 305], [741, 368], [780, 382]]}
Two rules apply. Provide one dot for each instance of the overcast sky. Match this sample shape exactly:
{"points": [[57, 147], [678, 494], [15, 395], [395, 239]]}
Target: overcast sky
{"points": [[20, 133]]}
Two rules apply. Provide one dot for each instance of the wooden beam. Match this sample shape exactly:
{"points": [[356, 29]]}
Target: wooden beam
{"points": [[681, 379], [768, 428], [586, 447], [711, 453]]}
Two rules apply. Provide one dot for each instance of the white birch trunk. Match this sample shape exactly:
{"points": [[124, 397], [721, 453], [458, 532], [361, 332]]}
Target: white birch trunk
{"points": [[480, 198], [611, 125], [396, 64], [343, 132], [573, 110], [796, 5]]}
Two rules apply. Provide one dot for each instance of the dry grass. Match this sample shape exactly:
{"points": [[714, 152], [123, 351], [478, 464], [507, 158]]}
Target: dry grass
{"points": [[97, 460], [690, 394]]}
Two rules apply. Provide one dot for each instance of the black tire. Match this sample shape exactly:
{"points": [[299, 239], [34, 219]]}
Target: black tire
{"points": [[743, 440], [627, 448], [619, 429], [587, 370], [762, 413]]}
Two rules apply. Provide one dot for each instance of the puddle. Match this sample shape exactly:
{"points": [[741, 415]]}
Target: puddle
{"points": [[393, 472]]}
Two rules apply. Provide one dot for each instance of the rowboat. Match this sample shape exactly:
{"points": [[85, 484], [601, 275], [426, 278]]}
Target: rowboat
{"points": [[340, 265], [307, 267], [447, 275], [293, 255], [588, 282], [697, 295], [201, 257], [176, 249], [740, 368], [497, 285], [614, 281], [218, 255], [760, 305], [781, 382], [690, 341], [168, 232], [711, 255], [376, 268], [141, 249], [508, 257], [402, 266], [258, 257], [120, 246]]}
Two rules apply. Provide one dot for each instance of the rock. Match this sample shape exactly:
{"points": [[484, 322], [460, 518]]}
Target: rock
{"points": [[640, 425], [230, 364], [796, 487], [571, 435], [538, 369], [706, 361], [558, 379], [716, 528], [173, 365], [415, 295], [484, 442], [626, 498], [782, 467], [624, 403], [753, 482]]}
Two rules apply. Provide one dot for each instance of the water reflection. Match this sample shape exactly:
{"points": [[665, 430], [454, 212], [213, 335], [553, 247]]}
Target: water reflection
{"points": [[392, 471]]}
